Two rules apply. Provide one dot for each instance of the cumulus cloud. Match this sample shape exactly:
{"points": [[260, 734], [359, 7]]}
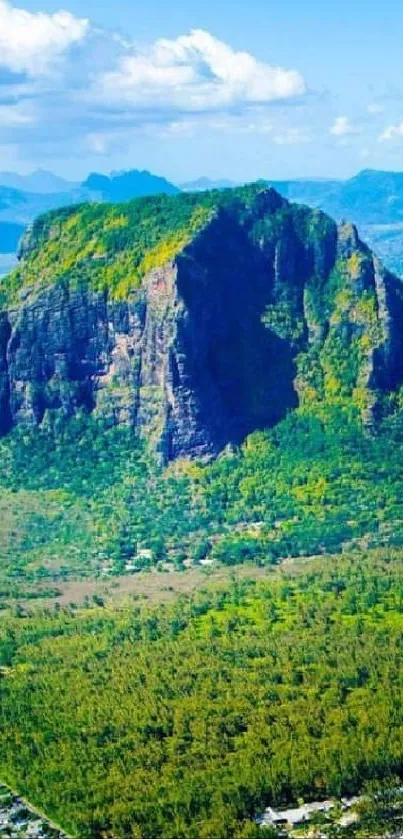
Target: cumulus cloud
{"points": [[64, 81], [392, 132], [31, 43], [196, 72], [343, 127]]}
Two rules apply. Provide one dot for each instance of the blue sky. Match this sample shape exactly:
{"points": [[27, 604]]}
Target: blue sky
{"points": [[264, 88]]}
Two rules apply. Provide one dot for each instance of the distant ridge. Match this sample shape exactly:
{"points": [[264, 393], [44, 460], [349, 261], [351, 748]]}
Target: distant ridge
{"points": [[372, 199], [41, 181], [203, 184], [25, 197], [123, 186]]}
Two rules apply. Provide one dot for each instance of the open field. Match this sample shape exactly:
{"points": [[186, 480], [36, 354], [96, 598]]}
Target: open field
{"points": [[154, 586]]}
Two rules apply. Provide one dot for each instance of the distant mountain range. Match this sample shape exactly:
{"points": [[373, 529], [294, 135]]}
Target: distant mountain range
{"points": [[203, 184], [372, 199], [122, 186], [40, 181], [24, 197]]}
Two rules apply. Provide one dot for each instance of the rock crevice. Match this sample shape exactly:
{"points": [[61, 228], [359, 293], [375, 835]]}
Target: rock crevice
{"points": [[211, 347]]}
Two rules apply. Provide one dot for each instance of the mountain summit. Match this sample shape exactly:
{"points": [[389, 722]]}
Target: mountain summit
{"points": [[123, 186], [41, 182], [196, 318]]}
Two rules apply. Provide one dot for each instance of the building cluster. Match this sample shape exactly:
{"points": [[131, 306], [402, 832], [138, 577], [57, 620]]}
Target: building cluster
{"points": [[19, 821], [305, 814]]}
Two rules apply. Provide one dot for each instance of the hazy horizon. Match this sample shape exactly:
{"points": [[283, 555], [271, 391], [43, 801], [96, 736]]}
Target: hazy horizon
{"points": [[195, 177]]}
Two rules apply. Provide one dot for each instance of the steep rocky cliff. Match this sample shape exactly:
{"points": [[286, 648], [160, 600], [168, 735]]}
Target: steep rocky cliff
{"points": [[196, 319]]}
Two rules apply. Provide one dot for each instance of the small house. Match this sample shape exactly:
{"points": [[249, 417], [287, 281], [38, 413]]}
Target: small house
{"points": [[296, 816]]}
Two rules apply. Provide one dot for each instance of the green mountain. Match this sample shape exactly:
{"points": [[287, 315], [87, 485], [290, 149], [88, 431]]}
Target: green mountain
{"points": [[173, 329], [196, 319], [372, 199], [210, 381]]}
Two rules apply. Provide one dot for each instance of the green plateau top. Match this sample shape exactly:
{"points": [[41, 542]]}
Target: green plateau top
{"points": [[113, 246]]}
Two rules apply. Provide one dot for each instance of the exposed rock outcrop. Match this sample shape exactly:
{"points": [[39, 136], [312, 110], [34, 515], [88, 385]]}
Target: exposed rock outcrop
{"points": [[267, 305]]}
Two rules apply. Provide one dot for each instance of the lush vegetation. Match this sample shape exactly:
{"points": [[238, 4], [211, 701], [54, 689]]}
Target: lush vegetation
{"points": [[95, 244], [82, 500], [313, 483], [113, 246], [187, 720]]}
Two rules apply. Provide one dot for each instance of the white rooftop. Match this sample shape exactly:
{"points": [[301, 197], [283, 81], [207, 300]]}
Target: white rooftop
{"points": [[296, 815]]}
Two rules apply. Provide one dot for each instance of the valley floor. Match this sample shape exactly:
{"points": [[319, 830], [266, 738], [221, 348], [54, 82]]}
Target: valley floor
{"points": [[227, 692]]}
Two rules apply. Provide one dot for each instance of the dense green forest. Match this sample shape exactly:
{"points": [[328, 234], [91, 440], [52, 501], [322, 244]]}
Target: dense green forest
{"points": [[187, 720], [184, 721], [114, 246], [79, 501]]}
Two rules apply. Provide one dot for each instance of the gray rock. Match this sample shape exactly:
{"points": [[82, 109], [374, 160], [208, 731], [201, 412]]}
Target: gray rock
{"points": [[207, 350]]}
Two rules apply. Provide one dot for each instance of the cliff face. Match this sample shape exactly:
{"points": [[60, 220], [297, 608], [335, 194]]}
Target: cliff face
{"points": [[266, 305]]}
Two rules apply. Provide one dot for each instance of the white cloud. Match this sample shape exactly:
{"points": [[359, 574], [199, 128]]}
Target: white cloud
{"points": [[15, 115], [375, 108], [65, 83], [32, 42], [194, 73], [343, 127], [392, 132], [98, 143]]}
